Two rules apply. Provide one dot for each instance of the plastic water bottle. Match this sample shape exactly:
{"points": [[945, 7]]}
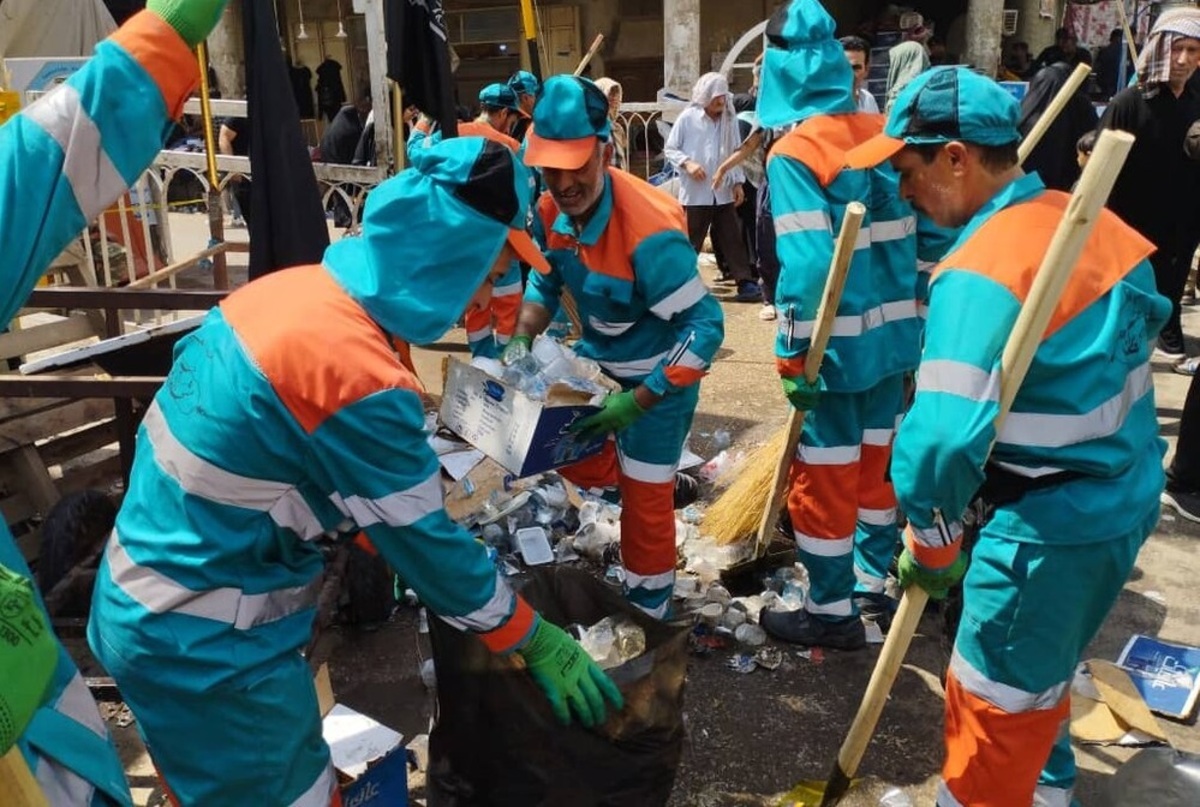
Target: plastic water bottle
{"points": [[895, 798]]}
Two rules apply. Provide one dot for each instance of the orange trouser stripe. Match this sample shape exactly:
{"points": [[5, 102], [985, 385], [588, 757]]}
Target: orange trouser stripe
{"points": [[874, 491], [993, 758], [823, 500]]}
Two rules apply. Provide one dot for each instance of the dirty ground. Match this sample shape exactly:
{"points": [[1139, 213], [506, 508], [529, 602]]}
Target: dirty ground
{"points": [[752, 737]]}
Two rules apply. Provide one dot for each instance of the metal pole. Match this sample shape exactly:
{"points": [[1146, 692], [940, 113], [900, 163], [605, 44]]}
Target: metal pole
{"points": [[216, 218], [529, 25]]}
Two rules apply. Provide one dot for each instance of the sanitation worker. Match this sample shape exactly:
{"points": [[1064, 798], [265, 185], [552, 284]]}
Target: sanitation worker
{"points": [[293, 411], [1076, 471]]}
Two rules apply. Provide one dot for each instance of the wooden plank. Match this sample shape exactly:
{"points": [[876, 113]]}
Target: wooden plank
{"points": [[17, 508], [35, 479], [28, 430], [165, 299], [73, 387], [76, 444], [30, 544], [169, 271], [73, 328], [100, 475], [20, 407]]}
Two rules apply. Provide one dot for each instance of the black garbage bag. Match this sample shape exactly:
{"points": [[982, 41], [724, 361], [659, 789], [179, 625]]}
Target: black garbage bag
{"points": [[496, 741]]}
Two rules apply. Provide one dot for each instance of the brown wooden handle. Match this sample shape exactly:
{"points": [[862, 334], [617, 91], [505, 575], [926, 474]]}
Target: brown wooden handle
{"points": [[18, 788]]}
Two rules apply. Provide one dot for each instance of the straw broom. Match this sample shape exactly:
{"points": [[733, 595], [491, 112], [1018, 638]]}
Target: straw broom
{"points": [[751, 503], [745, 504]]}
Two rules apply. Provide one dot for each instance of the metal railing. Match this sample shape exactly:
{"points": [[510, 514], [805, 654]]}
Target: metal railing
{"points": [[641, 121]]}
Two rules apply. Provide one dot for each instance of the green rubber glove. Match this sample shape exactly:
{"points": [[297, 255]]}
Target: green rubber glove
{"points": [[28, 656], [516, 349], [571, 680], [193, 20], [936, 582], [620, 410], [801, 394]]}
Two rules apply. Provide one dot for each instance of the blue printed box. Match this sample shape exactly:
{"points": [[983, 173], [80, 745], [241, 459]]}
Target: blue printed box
{"points": [[523, 434]]}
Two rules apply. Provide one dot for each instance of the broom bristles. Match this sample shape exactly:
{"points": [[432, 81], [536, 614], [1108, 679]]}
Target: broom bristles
{"points": [[737, 512]]}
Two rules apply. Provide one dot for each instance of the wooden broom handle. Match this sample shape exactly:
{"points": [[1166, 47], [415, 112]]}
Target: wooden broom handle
{"points": [[18, 788], [839, 268], [1065, 93], [1055, 271], [587, 57]]}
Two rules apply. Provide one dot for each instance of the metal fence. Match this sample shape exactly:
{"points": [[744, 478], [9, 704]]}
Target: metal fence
{"points": [[647, 125]]}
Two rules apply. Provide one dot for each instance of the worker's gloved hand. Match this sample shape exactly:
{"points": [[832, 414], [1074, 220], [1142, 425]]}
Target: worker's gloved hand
{"points": [[801, 394], [193, 20], [936, 582], [620, 410], [571, 680], [516, 349], [28, 656]]}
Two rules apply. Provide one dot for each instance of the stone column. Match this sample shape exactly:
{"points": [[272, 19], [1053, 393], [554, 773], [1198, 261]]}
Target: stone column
{"points": [[681, 45], [227, 52], [985, 23]]}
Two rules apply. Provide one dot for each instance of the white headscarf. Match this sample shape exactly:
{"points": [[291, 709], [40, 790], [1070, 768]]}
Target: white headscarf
{"points": [[715, 85], [1154, 62]]}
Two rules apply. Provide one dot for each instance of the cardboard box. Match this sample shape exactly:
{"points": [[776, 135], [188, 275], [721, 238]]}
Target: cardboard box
{"points": [[370, 758], [526, 436]]}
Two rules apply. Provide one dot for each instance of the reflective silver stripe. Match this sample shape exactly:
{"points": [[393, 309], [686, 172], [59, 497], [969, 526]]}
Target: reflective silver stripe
{"points": [[869, 582], [933, 538], [651, 473], [835, 608], [507, 290], [877, 437], [945, 798], [1002, 696], [922, 311], [804, 221], [1032, 473], [479, 335], [61, 786], [609, 328], [488, 616], [958, 378], [633, 367], [321, 792], [681, 299], [832, 455], [233, 606], [824, 547], [893, 230], [877, 518], [95, 181], [76, 703], [850, 325], [400, 509], [199, 477], [925, 267], [1055, 431], [649, 582], [1046, 796]]}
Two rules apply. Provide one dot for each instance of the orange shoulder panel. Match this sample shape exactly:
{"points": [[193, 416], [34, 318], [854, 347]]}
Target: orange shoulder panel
{"points": [[317, 347], [1010, 246], [548, 211], [639, 210], [821, 143], [479, 129], [162, 52]]}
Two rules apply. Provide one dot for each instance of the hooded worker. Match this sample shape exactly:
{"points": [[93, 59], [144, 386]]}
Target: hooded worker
{"points": [[843, 509], [1073, 476], [63, 160], [490, 328], [527, 87], [293, 411], [618, 246]]}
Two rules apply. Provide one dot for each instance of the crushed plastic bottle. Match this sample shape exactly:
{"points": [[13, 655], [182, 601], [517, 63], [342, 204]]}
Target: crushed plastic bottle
{"points": [[895, 798], [750, 635], [429, 674], [613, 641], [721, 440]]}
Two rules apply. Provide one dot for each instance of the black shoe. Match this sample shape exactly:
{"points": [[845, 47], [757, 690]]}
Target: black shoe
{"points": [[1169, 351], [1184, 502], [687, 490], [876, 610], [801, 627], [748, 292]]}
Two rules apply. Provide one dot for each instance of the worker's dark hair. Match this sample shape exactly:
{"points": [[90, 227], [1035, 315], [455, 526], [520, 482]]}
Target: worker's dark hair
{"points": [[993, 158], [1114, 36], [856, 43], [1086, 142]]}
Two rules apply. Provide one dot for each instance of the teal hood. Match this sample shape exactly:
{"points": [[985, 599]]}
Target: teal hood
{"points": [[431, 234], [804, 71]]}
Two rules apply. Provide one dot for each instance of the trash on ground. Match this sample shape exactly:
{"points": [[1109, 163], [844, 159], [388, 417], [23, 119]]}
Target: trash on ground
{"points": [[1107, 709], [1166, 675], [612, 641]]}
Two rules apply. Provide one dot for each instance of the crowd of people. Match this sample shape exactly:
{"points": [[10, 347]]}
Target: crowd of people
{"points": [[294, 412]]}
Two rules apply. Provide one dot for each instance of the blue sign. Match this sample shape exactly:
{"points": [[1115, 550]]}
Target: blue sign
{"points": [[1018, 89]]}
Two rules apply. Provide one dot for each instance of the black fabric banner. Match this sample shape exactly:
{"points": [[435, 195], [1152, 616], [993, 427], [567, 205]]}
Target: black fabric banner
{"points": [[418, 58], [286, 218]]}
